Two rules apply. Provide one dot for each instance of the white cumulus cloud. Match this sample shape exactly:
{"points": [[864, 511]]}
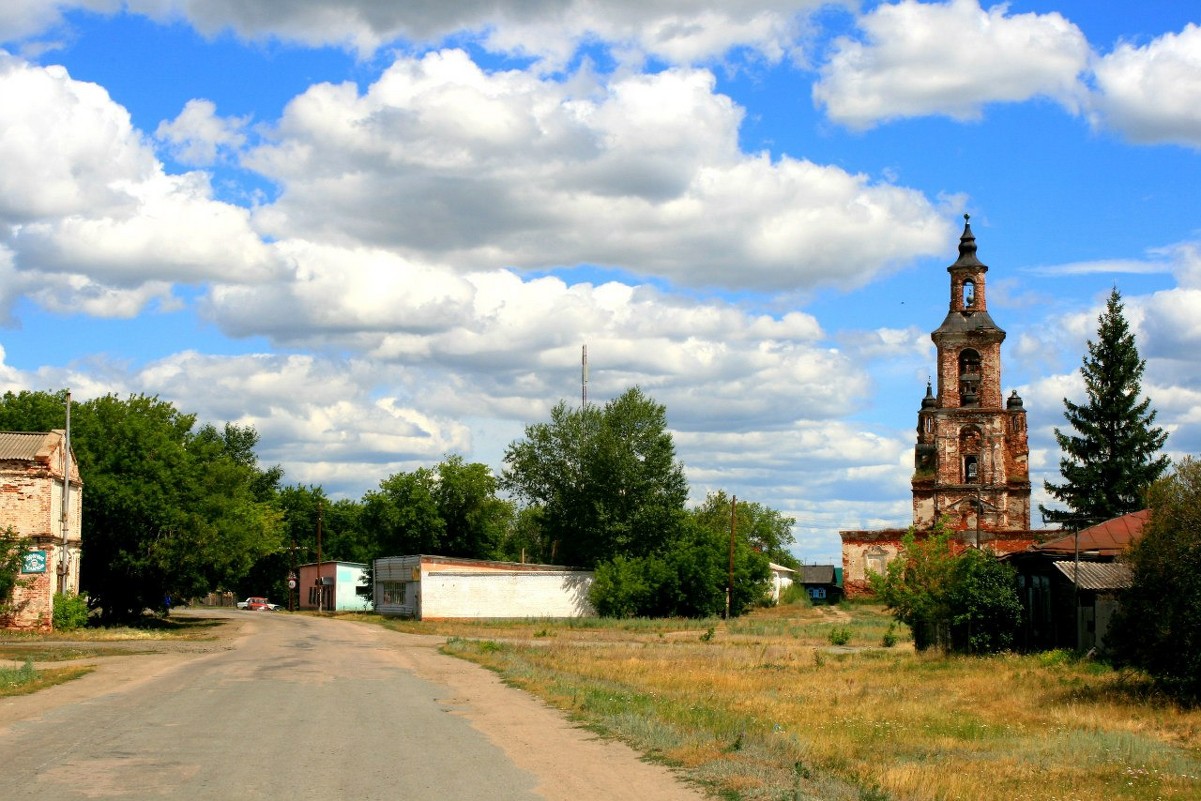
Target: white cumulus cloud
{"points": [[91, 220], [1152, 94], [443, 161], [951, 59]]}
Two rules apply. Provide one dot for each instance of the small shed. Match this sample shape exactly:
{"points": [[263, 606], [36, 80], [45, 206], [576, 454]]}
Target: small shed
{"points": [[1070, 586], [334, 587], [440, 587], [32, 495]]}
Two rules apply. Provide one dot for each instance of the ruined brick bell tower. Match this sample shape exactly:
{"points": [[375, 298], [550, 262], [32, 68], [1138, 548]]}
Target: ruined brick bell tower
{"points": [[971, 459]]}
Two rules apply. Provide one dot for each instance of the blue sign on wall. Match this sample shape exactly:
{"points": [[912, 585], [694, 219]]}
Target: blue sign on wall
{"points": [[34, 562]]}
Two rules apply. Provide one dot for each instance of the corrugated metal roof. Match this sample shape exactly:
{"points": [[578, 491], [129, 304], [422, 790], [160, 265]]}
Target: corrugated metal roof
{"points": [[21, 445], [1111, 537], [1096, 575]]}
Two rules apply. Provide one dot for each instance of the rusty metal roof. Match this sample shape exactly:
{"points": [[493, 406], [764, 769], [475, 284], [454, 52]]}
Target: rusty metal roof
{"points": [[24, 446], [1098, 576], [1108, 539]]}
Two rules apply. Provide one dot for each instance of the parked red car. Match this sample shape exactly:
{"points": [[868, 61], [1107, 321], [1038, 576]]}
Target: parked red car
{"points": [[257, 604]]}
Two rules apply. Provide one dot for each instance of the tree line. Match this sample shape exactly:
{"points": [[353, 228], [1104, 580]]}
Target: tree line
{"points": [[175, 509]]}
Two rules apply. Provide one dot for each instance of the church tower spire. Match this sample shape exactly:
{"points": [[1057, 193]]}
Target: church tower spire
{"points": [[971, 459]]}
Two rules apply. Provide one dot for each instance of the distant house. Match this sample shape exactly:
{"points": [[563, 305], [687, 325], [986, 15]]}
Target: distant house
{"points": [[1069, 586], [31, 504], [823, 583], [781, 578], [334, 587], [440, 587]]}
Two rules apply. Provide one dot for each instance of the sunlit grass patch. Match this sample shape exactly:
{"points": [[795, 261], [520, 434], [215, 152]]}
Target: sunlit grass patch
{"points": [[26, 679], [761, 696]]}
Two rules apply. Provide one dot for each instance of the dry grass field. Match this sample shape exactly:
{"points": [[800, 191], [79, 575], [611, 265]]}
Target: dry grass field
{"points": [[766, 707]]}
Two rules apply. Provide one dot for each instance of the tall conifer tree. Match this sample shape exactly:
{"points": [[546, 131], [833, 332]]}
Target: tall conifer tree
{"points": [[1112, 458]]}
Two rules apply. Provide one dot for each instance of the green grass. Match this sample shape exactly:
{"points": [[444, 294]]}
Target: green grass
{"points": [[27, 679]]}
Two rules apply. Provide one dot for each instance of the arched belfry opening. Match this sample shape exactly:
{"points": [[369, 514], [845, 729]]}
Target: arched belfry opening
{"points": [[969, 376], [969, 294]]}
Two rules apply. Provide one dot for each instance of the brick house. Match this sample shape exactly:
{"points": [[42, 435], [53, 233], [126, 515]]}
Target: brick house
{"points": [[31, 504], [971, 457]]}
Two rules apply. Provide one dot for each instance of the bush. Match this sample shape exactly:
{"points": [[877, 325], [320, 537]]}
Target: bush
{"points": [[795, 594], [966, 601], [985, 609], [840, 635], [620, 588], [70, 611], [687, 579]]}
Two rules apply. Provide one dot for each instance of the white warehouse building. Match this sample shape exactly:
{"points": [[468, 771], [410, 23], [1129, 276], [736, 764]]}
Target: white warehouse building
{"points": [[440, 587]]}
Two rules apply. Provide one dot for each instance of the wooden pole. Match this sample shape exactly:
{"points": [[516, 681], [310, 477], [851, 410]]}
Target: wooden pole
{"points": [[733, 527]]}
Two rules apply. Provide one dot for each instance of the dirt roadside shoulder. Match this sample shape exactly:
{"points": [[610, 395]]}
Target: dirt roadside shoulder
{"points": [[571, 763]]}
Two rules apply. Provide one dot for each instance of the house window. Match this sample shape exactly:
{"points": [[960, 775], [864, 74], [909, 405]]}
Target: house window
{"points": [[393, 592]]}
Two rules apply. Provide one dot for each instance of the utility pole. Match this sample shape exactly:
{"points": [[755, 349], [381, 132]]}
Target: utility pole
{"points": [[733, 526], [64, 558], [584, 379], [320, 578]]}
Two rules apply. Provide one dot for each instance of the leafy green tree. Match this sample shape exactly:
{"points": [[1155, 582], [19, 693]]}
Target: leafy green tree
{"points": [[451, 510], [1158, 625], [606, 479], [12, 555], [916, 586], [950, 597], [1112, 458], [764, 529], [687, 577], [28, 410], [167, 510], [624, 587], [525, 539], [475, 519], [403, 513], [985, 609]]}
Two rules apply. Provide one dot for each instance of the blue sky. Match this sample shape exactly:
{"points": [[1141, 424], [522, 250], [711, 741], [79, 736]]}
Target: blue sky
{"points": [[381, 233]]}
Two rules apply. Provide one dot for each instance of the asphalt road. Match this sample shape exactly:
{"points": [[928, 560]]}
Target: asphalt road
{"points": [[295, 707]]}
